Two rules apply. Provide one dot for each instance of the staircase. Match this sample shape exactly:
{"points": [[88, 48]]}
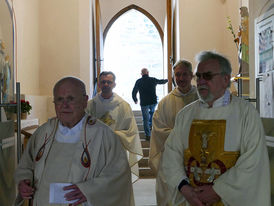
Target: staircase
{"points": [[144, 170]]}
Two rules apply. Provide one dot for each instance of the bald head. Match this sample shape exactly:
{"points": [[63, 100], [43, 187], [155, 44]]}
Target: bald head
{"points": [[72, 80], [144, 71], [70, 100]]}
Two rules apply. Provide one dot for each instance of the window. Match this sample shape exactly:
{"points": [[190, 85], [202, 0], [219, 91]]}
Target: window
{"points": [[132, 43]]}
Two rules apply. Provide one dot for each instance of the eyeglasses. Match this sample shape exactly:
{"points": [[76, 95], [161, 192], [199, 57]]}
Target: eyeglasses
{"points": [[70, 100], [206, 75], [106, 81]]}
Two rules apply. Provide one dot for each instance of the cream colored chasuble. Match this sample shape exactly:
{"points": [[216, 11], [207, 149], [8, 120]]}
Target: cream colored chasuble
{"points": [[117, 114], [58, 164], [244, 184]]}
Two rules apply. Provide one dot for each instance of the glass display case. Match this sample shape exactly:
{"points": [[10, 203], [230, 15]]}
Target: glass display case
{"points": [[6, 53], [8, 142]]}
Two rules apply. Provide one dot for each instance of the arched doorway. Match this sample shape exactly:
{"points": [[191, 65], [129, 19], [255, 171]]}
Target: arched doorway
{"points": [[132, 41]]}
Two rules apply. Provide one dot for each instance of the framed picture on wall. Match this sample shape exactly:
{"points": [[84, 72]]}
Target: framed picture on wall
{"points": [[264, 62], [264, 40]]}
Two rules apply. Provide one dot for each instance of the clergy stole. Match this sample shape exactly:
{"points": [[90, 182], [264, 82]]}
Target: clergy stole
{"points": [[205, 159]]}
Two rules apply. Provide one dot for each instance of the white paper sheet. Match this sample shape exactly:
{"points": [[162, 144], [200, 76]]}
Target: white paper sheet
{"points": [[57, 194]]}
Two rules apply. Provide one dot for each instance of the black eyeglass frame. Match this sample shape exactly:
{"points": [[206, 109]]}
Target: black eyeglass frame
{"points": [[206, 75]]}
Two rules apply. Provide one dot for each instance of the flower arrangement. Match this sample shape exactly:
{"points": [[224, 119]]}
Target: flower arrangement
{"points": [[25, 107], [230, 28]]}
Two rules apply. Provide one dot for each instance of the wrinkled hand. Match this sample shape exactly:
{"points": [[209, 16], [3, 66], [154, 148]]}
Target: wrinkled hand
{"points": [[207, 195], [191, 196], [76, 194], [25, 189]]}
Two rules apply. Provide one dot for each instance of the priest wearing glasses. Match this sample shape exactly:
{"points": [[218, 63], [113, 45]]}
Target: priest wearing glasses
{"points": [[216, 154], [73, 159]]}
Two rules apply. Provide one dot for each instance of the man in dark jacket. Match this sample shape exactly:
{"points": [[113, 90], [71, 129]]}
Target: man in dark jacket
{"points": [[146, 86]]}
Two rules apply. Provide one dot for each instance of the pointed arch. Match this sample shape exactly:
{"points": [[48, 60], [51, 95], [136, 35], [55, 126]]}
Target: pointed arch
{"points": [[143, 11]]}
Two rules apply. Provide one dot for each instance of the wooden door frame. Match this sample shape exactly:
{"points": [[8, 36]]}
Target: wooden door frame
{"points": [[170, 58], [99, 45]]}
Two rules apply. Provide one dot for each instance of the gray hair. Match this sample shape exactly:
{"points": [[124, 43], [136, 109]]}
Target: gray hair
{"points": [[225, 65], [73, 80], [182, 63], [105, 73]]}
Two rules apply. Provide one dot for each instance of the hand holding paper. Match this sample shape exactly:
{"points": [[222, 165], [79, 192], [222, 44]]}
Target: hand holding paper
{"points": [[57, 193], [75, 194]]}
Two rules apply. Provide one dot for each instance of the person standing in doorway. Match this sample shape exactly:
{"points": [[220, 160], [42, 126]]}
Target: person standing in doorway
{"points": [[146, 86]]}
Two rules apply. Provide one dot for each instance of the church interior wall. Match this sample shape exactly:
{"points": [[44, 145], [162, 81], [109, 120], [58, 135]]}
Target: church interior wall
{"points": [[157, 8], [53, 40], [54, 36], [59, 42], [203, 26], [64, 42], [28, 49]]}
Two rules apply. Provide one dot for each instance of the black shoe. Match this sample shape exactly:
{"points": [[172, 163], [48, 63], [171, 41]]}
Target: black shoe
{"points": [[148, 138]]}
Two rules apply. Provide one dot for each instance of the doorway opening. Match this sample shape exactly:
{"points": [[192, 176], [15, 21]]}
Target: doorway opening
{"points": [[132, 43]]}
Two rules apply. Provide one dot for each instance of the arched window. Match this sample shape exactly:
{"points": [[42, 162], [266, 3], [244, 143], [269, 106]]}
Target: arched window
{"points": [[133, 42]]}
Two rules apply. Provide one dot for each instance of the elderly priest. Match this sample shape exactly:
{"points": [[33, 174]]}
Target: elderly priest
{"points": [[73, 159]]}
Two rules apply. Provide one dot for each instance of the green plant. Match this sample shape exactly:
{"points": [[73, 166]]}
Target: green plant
{"points": [[230, 28], [25, 107]]}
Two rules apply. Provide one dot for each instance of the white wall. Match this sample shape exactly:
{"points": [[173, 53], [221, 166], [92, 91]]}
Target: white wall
{"points": [[157, 8], [203, 27], [53, 41], [28, 45], [54, 36]]}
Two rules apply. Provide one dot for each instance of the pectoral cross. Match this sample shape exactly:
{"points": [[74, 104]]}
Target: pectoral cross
{"points": [[212, 172]]}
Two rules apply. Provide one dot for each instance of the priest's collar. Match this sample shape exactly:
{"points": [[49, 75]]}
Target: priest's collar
{"points": [[106, 100], [185, 94], [222, 101], [69, 135]]}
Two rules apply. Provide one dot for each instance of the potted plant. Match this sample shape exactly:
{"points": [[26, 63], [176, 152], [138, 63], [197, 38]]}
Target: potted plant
{"points": [[25, 109]]}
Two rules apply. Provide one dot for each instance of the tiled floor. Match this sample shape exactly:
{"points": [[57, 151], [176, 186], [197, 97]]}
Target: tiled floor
{"points": [[144, 192]]}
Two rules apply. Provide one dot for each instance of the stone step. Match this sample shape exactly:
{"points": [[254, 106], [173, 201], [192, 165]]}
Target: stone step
{"points": [[142, 135], [145, 143], [137, 112], [146, 172], [143, 162], [146, 152], [139, 119], [140, 127]]}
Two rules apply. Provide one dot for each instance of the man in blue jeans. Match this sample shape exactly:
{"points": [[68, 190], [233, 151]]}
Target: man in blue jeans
{"points": [[146, 86]]}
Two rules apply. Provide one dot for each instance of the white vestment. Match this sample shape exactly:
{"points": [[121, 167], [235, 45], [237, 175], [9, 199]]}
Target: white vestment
{"points": [[163, 123], [117, 113], [96, 163], [247, 183]]}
